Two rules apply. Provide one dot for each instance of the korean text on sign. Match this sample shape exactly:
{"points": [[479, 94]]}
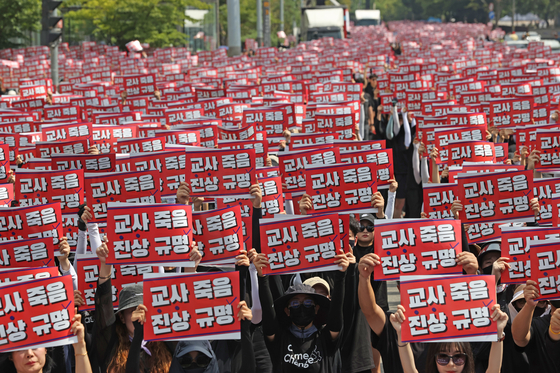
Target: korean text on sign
{"points": [[443, 308], [416, 247], [300, 244], [194, 306], [142, 234], [36, 313]]}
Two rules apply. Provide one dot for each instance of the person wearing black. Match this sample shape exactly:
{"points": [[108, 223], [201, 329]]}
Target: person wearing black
{"points": [[539, 337], [293, 328]]}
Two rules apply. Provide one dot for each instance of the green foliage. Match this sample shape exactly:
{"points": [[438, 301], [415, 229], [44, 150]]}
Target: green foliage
{"points": [[157, 22], [17, 18]]}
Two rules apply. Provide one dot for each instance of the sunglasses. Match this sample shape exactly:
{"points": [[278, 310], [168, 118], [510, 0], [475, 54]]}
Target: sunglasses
{"points": [[308, 303], [369, 228], [458, 359], [200, 361]]}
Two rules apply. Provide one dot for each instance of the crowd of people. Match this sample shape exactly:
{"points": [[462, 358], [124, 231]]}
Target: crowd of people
{"points": [[331, 321]]}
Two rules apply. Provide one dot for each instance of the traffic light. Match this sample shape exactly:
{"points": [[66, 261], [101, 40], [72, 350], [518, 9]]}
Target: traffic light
{"points": [[50, 33]]}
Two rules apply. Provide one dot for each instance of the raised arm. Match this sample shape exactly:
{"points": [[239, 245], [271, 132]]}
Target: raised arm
{"points": [[496, 351], [521, 326], [405, 352], [366, 296]]}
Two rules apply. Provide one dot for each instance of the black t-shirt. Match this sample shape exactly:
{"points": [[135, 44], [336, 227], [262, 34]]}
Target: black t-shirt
{"points": [[387, 342], [316, 354], [543, 353]]}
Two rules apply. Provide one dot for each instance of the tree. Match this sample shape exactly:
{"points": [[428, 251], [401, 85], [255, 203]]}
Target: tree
{"points": [[17, 18], [157, 22]]}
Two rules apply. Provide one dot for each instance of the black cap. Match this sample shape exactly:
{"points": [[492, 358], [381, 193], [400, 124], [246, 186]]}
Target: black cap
{"points": [[368, 217]]}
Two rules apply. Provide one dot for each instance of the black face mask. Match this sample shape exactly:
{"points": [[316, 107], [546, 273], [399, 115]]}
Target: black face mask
{"points": [[302, 316], [352, 243], [487, 270], [555, 303]]}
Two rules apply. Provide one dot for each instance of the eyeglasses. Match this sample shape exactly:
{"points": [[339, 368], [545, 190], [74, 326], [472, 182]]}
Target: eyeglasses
{"points": [[308, 303], [369, 228], [458, 359], [200, 361]]}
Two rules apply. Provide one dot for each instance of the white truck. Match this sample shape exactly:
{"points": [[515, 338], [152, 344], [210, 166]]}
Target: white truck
{"points": [[324, 21], [367, 17]]}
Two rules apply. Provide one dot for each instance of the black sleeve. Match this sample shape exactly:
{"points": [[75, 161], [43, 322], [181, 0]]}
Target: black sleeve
{"points": [[335, 318], [104, 326], [465, 240], [269, 321], [248, 364], [133, 361], [257, 215]]}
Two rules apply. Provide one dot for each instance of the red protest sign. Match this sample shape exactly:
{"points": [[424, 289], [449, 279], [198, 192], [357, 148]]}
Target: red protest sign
{"points": [[495, 197], [548, 142], [341, 187], [292, 165], [218, 233], [416, 247], [140, 145], [4, 162], [448, 308], [38, 314], [37, 252], [27, 274], [472, 151], [303, 244], [438, 199], [544, 190], [133, 187], [87, 268], [6, 195], [383, 158], [220, 172], [31, 222], [142, 233], [545, 268], [87, 162], [193, 306], [516, 245], [35, 187]]}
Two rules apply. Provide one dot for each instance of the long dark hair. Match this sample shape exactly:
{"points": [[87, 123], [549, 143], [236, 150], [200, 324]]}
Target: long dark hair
{"points": [[436, 348], [7, 365], [159, 362]]}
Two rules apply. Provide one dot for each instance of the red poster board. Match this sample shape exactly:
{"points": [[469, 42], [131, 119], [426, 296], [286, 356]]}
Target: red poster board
{"points": [[416, 247], [149, 234], [198, 306], [303, 244], [448, 308], [39, 314]]}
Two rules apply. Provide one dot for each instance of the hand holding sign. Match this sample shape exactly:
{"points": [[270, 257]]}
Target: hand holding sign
{"points": [[244, 312], [377, 202], [139, 314], [260, 261], [305, 204], [367, 264], [256, 194], [531, 292], [397, 319]]}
